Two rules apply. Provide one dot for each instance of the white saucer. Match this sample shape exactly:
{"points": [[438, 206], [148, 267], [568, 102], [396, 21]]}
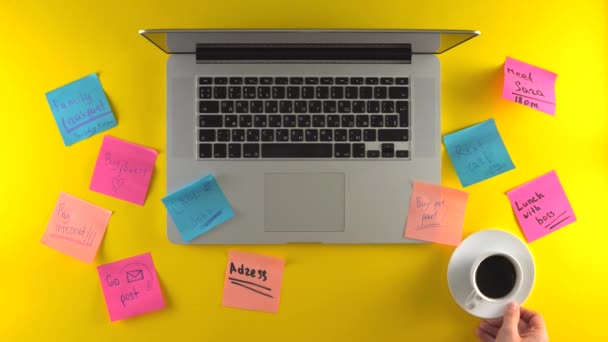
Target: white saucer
{"points": [[488, 241]]}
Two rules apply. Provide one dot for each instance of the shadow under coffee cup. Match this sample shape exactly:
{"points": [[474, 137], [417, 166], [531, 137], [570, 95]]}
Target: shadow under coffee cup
{"points": [[495, 277]]}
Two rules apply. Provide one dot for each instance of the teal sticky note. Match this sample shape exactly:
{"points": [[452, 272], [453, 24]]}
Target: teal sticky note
{"points": [[478, 153], [81, 109], [198, 207]]}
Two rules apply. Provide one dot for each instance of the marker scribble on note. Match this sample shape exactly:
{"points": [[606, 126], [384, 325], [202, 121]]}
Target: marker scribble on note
{"points": [[529, 85]]}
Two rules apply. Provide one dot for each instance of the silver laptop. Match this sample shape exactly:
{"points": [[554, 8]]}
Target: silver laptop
{"points": [[315, 136]]}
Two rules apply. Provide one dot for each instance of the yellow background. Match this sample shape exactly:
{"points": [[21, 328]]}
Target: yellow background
{"points": [[330, 293]]}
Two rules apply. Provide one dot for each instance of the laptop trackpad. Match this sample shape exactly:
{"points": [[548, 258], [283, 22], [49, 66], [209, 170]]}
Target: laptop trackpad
{"points": [[304, 202]]}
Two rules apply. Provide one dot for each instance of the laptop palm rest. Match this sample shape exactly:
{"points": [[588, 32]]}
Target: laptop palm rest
{"points": [[304, 202]]}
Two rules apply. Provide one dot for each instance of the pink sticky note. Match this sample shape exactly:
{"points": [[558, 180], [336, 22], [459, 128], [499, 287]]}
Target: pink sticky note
{"points": [[123, 170], [436, 214], [76, 228], [541, 206], [529, 85], [130, 287], [253, 282]]}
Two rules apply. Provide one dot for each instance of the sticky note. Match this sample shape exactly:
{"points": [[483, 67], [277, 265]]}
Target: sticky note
{"points": [[81, 109], [76, 228], [436, 214], [130, 287], [123, 170], [541, 206], [529, 85], [198, 207], [478, 153], [253, 282]]}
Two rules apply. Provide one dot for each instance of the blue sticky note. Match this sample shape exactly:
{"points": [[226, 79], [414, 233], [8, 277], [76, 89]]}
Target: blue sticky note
{"points": [[478, 153], [198, 207], [81, 109]]}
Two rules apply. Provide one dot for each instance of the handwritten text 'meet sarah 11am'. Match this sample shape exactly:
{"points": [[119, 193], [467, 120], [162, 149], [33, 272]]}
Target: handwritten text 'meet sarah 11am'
{"points": [[520, 97]]}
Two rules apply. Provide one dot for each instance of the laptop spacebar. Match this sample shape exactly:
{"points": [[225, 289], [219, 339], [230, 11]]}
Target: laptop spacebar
{"points": [[296, 150]]}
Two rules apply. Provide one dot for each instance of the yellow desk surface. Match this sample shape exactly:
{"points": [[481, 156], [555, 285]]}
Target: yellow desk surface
{"points": [[330, 293]]}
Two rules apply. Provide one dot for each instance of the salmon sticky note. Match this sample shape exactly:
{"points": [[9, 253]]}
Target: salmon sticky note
{"points": [[253, 282], [529, 85], [76, 228], [131, 287], [123, 170], [541, 206], [436, 214]]}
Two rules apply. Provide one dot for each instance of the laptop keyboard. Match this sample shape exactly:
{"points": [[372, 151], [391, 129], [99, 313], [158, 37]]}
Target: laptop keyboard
{"points": [[303, 118]]}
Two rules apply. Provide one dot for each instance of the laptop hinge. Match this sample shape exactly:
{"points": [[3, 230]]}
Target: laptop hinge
{"points": [[304, 53]]}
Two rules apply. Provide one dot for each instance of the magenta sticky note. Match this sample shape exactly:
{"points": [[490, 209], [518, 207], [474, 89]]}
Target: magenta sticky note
{"points": [[541, 206], [529, 85], [131, 287], [123, 170]]}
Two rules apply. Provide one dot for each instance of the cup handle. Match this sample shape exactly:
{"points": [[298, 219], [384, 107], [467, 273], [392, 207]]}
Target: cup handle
{"points": [[473, 300]]}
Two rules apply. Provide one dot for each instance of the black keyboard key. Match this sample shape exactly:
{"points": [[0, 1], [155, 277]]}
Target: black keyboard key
{"points": [[341, 80], [305, 150], [205, 92], [388, 150], [365, 92], [371, 80], [403, 154], [342, 150], [311, 135], [265, 80], [271, 107], [251, 80], [256, 106], [278, 92], [251, 150], [359, 150], [268, 134], [242, 107], [263, 92], [327, 80], [234, 150], [337, 92], [356, 80], [296, 135], [282, 134], [220, 80], [369, 135], [281, 80], [392, 135], [402, 81], [253, 135], [377, 121], [238, 135], [210, 120], [344, 107], [296, 80], [386, 80], [245, 120], [227, 107], [326, 135], [354, 135], [289, 121], [303, 120], [373, 106], [236, 80], [219, 150], [223, 135], [333, 121], [285, 106], [231, 120], [351, 92], [391, 121], [311, 80], [205, 135], [348, 121], [259, 120], [329, 106], [373, 154], [362, 120], [300, 107], [314, 106], [209, 107], [219, 92], [293, 92], [204, 150], [388, 107], [249, 92], [398, 92], [234, 92], [308, 92], [318, 121], [358, 106], [205, 80], [403, 110], [340, 135], [322, 92], [379, 92], [274, 121]]}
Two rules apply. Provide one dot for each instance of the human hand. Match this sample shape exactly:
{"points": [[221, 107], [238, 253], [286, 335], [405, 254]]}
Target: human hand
{"points": [[517, 325]]}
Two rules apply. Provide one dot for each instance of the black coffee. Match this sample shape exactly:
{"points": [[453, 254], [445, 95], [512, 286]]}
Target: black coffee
{"points": [[495, 276]]}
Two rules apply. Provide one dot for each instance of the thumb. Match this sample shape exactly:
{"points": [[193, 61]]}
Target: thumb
{"points": [[511, 319]]}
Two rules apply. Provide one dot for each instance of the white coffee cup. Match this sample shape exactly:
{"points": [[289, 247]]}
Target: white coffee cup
{"points": [[477, 297]]}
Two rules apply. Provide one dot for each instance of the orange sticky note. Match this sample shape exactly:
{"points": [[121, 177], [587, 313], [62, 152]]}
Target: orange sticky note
{"points": [[253, 282], [436, 214], [76, 228]]}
